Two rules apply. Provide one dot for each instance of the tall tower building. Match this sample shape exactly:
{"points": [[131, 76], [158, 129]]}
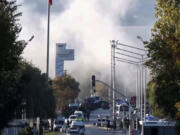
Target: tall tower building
{"points": [[62, 54]]}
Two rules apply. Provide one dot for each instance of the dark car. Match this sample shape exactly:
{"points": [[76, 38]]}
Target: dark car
{"points": [[103, 104], [58, 125]]}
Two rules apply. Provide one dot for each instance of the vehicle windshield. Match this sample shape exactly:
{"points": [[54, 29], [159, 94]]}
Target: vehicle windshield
{"points": [[73, 117], [124, 108], [79, 114], [97, 98]]}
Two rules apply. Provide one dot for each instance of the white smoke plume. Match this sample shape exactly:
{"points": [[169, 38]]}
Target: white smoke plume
{"points": [[86, 26]]}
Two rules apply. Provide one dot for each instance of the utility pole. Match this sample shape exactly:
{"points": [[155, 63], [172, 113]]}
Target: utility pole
{"points": [[137, 87], [142, 99], [113, 46], [110, 89], [145, 81]]}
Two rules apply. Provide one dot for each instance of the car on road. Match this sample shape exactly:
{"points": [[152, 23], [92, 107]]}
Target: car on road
{"points": [[111, 124], [58, 124], [80, 115], [63, 129], [98, 122], [76, 127], [72, 118], [103, 104], [104, 122], [73, 131]]}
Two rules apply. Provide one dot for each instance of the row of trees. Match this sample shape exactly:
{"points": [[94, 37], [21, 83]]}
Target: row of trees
{"points": [[36, 93], [22, 85], [164, 63]]}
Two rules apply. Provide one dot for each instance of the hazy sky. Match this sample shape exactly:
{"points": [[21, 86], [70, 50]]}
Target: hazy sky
{"points": [[87, 26]]}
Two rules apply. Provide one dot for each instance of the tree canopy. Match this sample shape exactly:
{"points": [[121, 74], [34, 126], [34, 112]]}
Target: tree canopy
{"points": [[10, 50], [66, 90], [102, 90], [36, 92], [20, 82], [164, 53]]}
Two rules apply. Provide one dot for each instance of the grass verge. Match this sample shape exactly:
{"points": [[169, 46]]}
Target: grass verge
{"points": [[50, 133]]}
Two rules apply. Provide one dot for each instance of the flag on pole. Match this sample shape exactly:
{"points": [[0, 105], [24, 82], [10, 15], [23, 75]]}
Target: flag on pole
{"points": [[50, 2]]}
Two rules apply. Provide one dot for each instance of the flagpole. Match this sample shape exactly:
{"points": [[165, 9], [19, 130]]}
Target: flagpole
{"points": [[47, 64]]}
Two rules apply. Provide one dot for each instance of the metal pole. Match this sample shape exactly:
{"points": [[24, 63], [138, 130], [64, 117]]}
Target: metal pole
{"points": [[113, 54], [142, 85], [110, 95], [114, 97], [47, 64], [130, 122], [145, 70], [140, 88], [136, 84], [111, 79], [136, 96], [140, 93]]}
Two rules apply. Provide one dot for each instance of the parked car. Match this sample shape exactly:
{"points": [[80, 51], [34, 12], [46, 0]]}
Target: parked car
{"points": [[77, 127]]}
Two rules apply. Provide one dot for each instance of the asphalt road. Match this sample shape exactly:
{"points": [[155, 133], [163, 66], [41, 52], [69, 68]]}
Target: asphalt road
{"points": [[93, 130]]}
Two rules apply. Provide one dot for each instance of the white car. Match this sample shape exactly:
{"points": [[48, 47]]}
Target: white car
{"points": [[77, 127], [72, 118], [104, 122], [79, 114]]}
